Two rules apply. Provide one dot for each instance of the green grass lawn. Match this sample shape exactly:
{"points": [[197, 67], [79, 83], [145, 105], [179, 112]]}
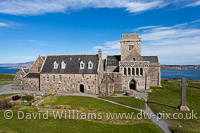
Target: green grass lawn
{"points": [[86, 104], [130, 101], [6, 77], [78, 126], [5, 96], [168, 98]]}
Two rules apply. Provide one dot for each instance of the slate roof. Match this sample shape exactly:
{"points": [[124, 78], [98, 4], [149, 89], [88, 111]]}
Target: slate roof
{"points": [[33, 75], [152, 59], [26, 70], [72, 64], [113, 60]]}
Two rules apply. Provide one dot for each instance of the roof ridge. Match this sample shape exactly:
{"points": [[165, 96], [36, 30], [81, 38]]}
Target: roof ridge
{"points": [[74, 55]]}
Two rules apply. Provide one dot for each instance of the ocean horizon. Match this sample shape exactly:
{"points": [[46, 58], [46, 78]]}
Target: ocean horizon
{"points": [[190, 74]]}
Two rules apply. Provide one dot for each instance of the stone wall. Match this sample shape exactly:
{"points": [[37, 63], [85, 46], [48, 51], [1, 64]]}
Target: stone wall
{"points": [[112, 69], [36, 67], [142, 81], [31, 84], [155, 74], [18, 80], [70, 83], [125, 52]]}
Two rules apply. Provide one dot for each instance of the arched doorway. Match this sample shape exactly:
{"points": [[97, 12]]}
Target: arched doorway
{"points": [[132, 85], [82, 88]]}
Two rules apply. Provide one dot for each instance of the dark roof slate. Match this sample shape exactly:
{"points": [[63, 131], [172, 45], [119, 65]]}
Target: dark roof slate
{"points": [[33, 75], [152, 59], [26, 70], [72, 64], [113, 60]]}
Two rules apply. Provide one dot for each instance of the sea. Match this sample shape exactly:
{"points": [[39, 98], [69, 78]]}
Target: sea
{"points": [[193, 74]]}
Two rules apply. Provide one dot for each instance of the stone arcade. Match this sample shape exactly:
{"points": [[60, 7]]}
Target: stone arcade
{"points": [[93, 75]]}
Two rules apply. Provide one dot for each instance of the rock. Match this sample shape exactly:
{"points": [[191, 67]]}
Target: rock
{"points": [[131, 94], [179, 126]]}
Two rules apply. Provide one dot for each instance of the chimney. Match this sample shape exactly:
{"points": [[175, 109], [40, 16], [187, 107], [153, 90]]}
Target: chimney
{"points": [[100, 54]]}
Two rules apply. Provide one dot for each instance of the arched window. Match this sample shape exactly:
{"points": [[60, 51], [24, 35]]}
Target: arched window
{"points": [[90, 65], [63, 65], [82, 65], [137, 71], [133, 71], [129, 71], [124, 71], [141, 71], [55, 65]]}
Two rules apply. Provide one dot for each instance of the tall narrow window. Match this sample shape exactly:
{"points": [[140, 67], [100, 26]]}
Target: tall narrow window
{"points": [[53, 78], [129, 71], [88, 87], [141, 71], [47, 78], [137, 71], [60, 78], [124, 71], [133, 71]]}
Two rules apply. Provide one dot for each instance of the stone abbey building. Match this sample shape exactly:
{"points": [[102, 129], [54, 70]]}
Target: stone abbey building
{"points": [[93, 75]]}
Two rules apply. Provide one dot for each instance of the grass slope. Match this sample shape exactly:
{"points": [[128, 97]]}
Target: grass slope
{"points": [[6, 77], [5, 96], [86, 104], [168, 98], [65, 125], [130, 101]]}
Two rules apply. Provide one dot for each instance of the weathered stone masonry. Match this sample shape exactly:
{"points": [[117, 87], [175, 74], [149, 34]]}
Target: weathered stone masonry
{"points": [[91, 74]]}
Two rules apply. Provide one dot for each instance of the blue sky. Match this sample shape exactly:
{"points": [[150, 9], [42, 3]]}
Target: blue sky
{"points": [[28, 28]]}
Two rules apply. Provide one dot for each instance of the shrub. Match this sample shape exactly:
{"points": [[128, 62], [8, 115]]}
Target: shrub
{"points": [[28, 98], [17, 97], [5, 103]]}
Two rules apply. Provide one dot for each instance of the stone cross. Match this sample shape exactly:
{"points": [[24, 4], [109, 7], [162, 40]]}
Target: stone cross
{"points": [[106, 85], [183, 106]]}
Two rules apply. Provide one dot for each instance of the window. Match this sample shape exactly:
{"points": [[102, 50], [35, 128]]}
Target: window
{"points": [[131, 47], [47, 78], [124, 71], [141, 71], [82, 75], [53, 78], [88, 87], [90, 65], [60, 78], [55, 65], [133, 71], [137, 71], [63, 65], [38, 69], [129, 71], [133, 59], [82, 65]]}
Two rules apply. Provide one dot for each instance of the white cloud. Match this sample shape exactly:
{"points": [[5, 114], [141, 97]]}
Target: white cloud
{"points": [[22, 58], [35, 7], [3, 24], [197, 3], [178, 44]]}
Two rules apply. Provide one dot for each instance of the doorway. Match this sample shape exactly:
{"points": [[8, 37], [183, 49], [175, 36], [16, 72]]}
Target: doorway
{"points": [[82, 88], [132, 85]]}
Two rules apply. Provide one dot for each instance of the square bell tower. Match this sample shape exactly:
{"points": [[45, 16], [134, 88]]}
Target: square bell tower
{"points": [[130, 46]]}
